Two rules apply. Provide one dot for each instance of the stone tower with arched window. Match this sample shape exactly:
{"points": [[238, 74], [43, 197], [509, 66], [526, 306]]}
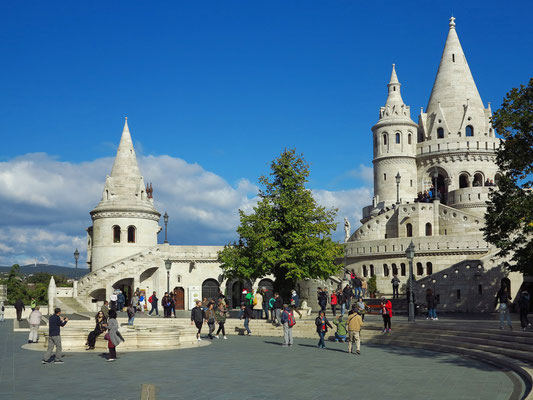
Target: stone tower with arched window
{"points": [[125, 221], [394, 150]]}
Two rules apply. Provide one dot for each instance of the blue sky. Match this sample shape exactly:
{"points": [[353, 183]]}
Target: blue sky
{"points": [[217, 89]]}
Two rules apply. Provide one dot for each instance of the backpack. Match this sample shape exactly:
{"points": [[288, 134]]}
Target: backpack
{"points": [[290, 319], [255, 301], [271, 302], [150, 299]]}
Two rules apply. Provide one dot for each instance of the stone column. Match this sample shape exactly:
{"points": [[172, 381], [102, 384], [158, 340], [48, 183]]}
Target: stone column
{"points": [[51, 295]]}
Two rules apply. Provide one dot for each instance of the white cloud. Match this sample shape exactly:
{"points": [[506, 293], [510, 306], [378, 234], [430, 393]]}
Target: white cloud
{"points": [[363, 172], [46, 204]]}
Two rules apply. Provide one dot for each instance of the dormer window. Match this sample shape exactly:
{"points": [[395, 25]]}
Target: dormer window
{"points": [[469, 130], [440, 133]]}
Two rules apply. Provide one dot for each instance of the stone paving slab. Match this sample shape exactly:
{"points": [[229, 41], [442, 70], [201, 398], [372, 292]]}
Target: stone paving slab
{"points": [[250, 368]]}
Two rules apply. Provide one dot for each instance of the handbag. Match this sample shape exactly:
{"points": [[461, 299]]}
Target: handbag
{"points": [[106, 336]]}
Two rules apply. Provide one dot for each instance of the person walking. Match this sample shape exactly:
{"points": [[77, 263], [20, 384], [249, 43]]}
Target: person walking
{"points": [[278, 306], [19, 307], [341, 300], [358, 287], [105, 310], [386, 313], [523, 305], [220, 317], [131, 314], [100, 327], [55, 322], [271, 303], [248, 315], [288, 321], [197, 318], [153, 301], [333, 303], [341, 333], [348, 294], [113, 336], [504, 298], [35, 321], [395, 286], [142, 302], [295, 303], [258, 305], [322, 299], [210, 319], [113, 301], [120, 301], [134, 301], [33, 304], [355, 323], [432, 303], [2, 311], [322, 324]]}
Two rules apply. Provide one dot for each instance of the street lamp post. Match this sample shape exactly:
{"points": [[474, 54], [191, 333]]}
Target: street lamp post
{"points": [[165, 218], [398, 178], [410, 253], [168, 265], [76, 257]]}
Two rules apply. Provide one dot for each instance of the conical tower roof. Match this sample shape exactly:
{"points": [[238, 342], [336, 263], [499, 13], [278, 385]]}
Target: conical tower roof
{"points": [[124, 188], [454, 88]]}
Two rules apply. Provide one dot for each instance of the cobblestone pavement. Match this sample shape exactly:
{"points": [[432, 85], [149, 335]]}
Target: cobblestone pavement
{"points": [[250, 368]]}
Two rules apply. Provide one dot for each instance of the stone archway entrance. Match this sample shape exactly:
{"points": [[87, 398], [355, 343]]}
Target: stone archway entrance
{"points": [[179, 298], [126, 287], [234, 292]]}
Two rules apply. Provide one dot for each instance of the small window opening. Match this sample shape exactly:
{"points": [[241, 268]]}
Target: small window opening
{"points": [[116, 234], [397, 138], [440, 133], [384, 177], [409, 139], [409, 230], [131, 234], [469, 130], [453, 57]]}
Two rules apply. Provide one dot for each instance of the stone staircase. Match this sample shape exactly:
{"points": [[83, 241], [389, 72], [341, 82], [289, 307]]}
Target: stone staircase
{"points": [[70, 305]]}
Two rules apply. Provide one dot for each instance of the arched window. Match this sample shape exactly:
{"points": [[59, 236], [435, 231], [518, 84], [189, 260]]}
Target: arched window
{"points": [[372, 272], [394, 269], [478, 179], [386, 271], [409, 230], [116, 234], [131, 234], [463, 181], [419, 269], [409, 139], [429, 268], [210, 289], [440, 133], [397, 138], [497, 178], [365, 271], [384, 139], [266, 283], [402, 269], [469, 130], [428, 229]]}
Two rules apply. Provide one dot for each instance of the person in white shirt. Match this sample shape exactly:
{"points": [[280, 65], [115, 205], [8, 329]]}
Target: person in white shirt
{"points": [[35, 321]]}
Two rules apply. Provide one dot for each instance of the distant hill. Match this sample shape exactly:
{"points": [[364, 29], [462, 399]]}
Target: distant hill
{"points": [[51, 269]]}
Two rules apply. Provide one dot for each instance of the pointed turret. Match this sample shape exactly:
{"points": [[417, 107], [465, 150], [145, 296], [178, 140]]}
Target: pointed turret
{"points": [[454, 96], [125, 161], [395, 96]]}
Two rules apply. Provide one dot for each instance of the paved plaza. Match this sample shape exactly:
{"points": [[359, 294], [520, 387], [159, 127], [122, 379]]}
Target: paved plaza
{"points": [[250, 368]]}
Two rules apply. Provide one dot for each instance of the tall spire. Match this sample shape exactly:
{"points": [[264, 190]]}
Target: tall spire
{"points": [[395, 97], [454, 89], [125, 161]]}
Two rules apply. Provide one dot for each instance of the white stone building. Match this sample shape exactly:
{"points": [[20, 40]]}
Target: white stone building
{"points": [[123, 250], [452, 147]]}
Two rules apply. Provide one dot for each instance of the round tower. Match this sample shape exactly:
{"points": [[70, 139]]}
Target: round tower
{"points": [[125, 221], [394, 150]]}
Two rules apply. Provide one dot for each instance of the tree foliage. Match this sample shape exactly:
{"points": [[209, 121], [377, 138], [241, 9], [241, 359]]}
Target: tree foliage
{"points": [[509, 217], [288, 234]]}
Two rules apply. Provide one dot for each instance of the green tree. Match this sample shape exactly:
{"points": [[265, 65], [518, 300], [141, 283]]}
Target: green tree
{"points": [[509, 217], [288, 234], [16, 288]]}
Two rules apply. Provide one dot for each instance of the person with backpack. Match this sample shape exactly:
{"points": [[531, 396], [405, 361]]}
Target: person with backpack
{"points": [[271, 303], [120, 301], [288, 321], [322, 324], [341, 333], [355, 323], [333, 303], [220, 317], [153, 301], [197, 318], [258, 305], [295, 303], [395, 286]]}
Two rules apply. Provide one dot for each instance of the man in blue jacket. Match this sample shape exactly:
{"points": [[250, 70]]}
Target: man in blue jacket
{"points": [[54, 337]]}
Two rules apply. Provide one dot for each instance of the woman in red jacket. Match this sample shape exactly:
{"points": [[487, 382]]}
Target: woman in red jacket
{"points": [[334, 303], [386, 313]]}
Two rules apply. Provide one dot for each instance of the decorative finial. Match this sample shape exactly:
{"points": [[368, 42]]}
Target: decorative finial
{"points": [[452, 22], [126, 118]]}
